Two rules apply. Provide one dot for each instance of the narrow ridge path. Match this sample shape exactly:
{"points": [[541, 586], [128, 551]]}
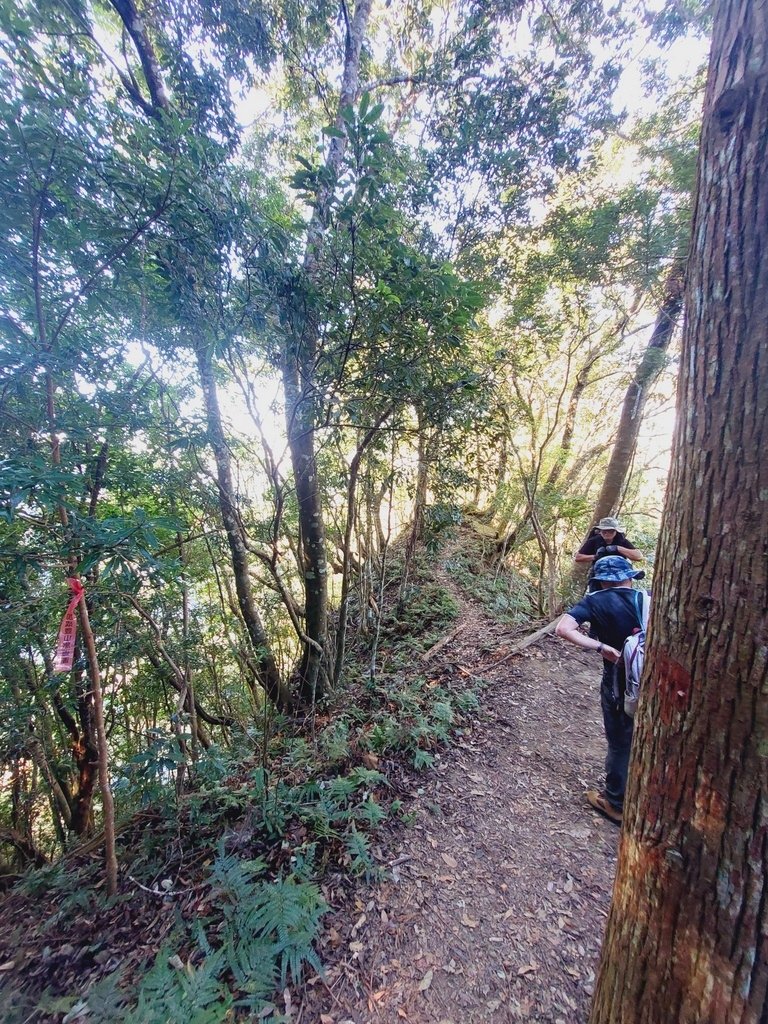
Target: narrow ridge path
{"points": [[495, 898]]}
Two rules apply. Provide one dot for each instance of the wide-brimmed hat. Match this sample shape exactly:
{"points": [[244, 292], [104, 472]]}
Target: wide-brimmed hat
{"points": [[614, 569], [609, 523]]}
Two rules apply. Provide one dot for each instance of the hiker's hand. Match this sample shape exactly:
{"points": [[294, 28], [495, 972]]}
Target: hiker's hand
{"points": [[611, 549], [610, 653], [600, 553]]}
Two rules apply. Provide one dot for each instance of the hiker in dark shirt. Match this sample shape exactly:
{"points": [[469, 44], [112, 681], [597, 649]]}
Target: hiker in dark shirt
{"points": [[606, 539], [609, 535], [613, 614]]}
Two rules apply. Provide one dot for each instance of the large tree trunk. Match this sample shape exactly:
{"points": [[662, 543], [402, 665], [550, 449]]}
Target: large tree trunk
{"points": [[632, 410], [687, 937], [268, 673], [299, 372]]}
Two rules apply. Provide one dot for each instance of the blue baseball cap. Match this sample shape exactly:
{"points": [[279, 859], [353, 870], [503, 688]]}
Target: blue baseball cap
{"points": [[615, 568]]}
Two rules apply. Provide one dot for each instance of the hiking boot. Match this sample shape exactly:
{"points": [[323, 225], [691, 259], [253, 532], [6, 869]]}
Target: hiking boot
{"points": [[601, 803]]}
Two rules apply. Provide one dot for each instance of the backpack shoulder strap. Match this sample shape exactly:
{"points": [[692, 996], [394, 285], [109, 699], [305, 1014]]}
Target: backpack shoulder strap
{"points": [[643, 604]]}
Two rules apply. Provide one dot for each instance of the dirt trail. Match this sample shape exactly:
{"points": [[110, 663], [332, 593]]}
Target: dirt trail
{"points": [[495, 899]]}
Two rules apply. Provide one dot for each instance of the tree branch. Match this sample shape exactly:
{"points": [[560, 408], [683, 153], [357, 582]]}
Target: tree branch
{"points": [[136, 29]]}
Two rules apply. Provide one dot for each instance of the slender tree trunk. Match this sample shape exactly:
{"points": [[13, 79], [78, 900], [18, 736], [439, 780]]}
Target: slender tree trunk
{"points": [[108, 806], [300, 408], [82, 733], [501, 469], [354, 469], [566, 442], [268, 673], [416, 531], [480, 470], [135, 26], [687, 936], [172, 676], [383, 568], [300, 385], [38, 755], [376, 505], [633, 407], [41, 742]]}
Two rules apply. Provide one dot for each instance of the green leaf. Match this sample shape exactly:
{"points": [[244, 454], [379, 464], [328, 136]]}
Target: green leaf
{"points": [[373, 116]]}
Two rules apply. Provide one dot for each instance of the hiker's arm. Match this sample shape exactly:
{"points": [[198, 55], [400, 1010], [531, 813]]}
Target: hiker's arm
{"points": [[631, 553], [578, 557], [619, 549], [568, 629], [587, 550]]}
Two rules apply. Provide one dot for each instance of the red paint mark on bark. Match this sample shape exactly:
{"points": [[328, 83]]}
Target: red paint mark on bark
{"points": [[671, 682]]}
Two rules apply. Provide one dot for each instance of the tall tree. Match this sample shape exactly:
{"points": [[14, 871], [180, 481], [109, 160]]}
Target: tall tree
{"points": [[687, 934], [299, 366], [636, 395]]}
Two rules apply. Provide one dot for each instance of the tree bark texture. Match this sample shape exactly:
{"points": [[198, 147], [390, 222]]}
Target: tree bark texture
{"points": [[268, 673], [86, 755], [633, 407], [687, 936]]}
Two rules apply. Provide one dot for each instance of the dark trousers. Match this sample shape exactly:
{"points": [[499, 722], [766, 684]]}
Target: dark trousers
{"points": [[618, 733]]}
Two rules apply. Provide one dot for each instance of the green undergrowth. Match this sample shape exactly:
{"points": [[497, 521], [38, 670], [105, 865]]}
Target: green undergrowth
{"points": [[222, 887], [415, 612], [474, 568], [422, 614], [505, 595], [233, 870]]}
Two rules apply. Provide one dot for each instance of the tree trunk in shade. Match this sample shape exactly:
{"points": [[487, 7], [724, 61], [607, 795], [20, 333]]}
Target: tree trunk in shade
{"points": [[687, 936], [267, 670]]}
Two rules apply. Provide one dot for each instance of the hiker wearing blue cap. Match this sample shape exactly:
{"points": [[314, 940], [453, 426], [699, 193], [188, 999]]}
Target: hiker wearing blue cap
{"points": [[614, 612]]}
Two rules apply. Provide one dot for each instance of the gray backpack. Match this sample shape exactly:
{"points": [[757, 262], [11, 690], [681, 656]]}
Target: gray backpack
{"points": [[633, 653]]}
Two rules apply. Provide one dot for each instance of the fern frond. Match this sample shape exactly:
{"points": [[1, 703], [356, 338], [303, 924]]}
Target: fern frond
{"points": [[423, 759], [341, 788], [252, 962], [168, 995], [286, 914], [368, 777], [233, 876], [358, 848], [442, 712], [370, 813]]}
